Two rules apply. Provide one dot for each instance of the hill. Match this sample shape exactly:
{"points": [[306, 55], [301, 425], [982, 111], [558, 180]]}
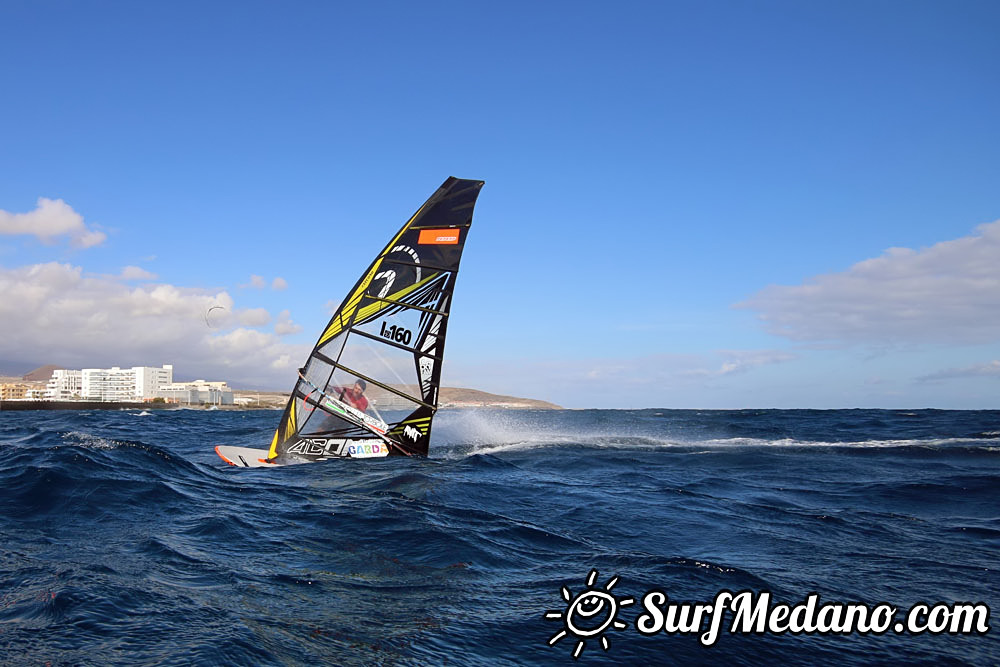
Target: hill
{"points": [[41, 374], [450, 397], [458, 397]]}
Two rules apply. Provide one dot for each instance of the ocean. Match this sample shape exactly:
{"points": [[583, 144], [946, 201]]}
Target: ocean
{"points": [[124, 539]]}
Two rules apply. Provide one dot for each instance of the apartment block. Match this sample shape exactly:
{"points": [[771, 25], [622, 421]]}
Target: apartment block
{"points": [[64, 385], [199, 391], [124, 384]]}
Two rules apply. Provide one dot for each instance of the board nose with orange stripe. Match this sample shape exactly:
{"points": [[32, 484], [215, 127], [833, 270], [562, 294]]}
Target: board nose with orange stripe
{"points": [[237, 456], [223, 456]]}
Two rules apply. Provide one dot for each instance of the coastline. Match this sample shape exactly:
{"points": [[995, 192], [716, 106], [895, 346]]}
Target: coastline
{"points": [[20, 405], [450, 398]]}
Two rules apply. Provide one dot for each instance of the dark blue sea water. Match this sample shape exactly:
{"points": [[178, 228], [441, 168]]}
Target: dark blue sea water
{"points": [[125, 540]]}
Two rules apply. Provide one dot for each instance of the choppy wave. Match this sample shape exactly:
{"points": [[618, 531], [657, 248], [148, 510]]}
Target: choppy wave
{"points": [[128, 540], [627, 443]]}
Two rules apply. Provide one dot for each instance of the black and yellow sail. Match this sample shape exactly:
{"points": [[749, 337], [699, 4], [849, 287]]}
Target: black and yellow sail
{"points": [[370, 385]]}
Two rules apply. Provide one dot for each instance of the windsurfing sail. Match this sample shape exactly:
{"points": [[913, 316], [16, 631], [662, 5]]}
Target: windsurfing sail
{"points": [[370, 385]]}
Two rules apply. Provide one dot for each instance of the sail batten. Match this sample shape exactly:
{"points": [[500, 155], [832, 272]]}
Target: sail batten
{"points": [[419, 266], [370, 385], [387, 387], [442, 226], [395, 345], [410, 305], [359, 375]]}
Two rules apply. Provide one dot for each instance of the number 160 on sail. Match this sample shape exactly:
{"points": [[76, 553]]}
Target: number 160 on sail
{"points": [[397, 334]]}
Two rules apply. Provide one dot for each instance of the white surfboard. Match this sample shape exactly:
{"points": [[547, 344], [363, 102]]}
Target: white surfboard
{"points": [[248, 457], [245, 457]]}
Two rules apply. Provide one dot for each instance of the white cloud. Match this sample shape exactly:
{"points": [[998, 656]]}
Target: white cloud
{"points": [[990, 369], [284, 325], [279, 284], [254, 317], [53, 313], [283, 362], [256, 282], [948, 293], [89, 239], [258, 353], [136, 273], [740, 361], [50, 219], [218, 316]]}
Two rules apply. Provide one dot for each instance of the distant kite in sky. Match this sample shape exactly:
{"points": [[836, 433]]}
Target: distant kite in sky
{"points": [[208, 320]]}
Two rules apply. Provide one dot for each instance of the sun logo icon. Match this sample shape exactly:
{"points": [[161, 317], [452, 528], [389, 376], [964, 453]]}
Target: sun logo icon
{"points": [[589, 614]]}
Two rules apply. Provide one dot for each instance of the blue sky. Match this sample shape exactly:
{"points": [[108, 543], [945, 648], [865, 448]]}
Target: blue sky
{"points": [[687, 204]]}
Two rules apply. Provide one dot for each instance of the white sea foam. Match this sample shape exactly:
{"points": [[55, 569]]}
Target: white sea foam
{"points": [[89, 441], [506, 447], [791, 442], [544, 441], [539, 442], [467, 433]]}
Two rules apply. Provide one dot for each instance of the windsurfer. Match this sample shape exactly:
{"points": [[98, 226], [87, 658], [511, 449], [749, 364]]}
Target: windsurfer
{"points": [[355, 396]]}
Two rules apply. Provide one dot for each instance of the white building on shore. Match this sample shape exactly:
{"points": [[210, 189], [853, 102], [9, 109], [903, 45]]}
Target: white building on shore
{"points": [[64, 385], [149, 380], [124, 384], [136, 384], [199, 391]]}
